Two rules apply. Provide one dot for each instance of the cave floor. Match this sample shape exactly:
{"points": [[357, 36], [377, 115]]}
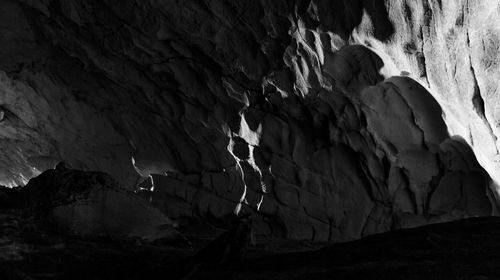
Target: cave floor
{"points": [[27, 252], [466, 249]]}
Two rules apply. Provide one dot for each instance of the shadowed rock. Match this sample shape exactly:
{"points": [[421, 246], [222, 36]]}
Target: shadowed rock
{"points": [[286, 108], [92, 205]]}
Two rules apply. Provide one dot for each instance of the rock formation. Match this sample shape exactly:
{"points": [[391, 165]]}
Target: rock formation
{"points": [[324, 120], [91, 205]]}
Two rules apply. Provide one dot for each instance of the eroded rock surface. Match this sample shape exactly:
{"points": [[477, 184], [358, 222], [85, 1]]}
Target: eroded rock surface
{"points": [[293, 111]]}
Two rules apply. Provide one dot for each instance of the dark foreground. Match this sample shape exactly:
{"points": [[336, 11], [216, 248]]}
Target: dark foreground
{"points": [[467, 249]]}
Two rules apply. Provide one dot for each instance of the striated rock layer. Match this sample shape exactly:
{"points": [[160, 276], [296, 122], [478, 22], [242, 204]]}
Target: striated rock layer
{"points": [[299, 112]]}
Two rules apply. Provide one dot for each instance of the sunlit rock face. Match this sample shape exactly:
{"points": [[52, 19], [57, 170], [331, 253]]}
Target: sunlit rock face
{"points": [[452, 48], [299, 112]]}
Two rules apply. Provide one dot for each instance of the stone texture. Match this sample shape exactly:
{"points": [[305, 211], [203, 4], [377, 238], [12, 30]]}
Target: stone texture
{"points": [[298, 112]]}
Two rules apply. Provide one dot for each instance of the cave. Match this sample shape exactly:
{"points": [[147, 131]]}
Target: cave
{"points": [[249, 139]]}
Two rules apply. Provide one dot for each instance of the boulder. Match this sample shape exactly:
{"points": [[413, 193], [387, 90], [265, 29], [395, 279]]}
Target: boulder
{"points": [[93, 205]]}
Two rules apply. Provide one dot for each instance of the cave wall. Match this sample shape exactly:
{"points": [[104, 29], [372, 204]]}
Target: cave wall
{"points": [[299, 112], [451, 47]]}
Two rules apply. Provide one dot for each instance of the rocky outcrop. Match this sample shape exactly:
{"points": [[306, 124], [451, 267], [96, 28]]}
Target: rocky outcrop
{"points": [[297, 112], [92, 205], [451, 48]]}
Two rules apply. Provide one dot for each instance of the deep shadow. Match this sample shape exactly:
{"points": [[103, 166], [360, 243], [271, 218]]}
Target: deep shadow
{"points": [[466, 249]]}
